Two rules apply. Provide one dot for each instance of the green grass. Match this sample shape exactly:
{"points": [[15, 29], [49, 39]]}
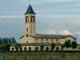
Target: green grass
{"points": [[39, 56]]}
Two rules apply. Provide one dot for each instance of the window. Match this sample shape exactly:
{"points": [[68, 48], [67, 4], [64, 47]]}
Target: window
{"points": [[27, 35], [29, 48], [36, 49], [12, 49], [27, 29], [32, 19], [27, 19], [25, 49]]}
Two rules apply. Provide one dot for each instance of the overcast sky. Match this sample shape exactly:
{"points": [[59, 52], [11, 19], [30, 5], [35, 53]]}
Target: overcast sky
{"points": [[52, 17]]}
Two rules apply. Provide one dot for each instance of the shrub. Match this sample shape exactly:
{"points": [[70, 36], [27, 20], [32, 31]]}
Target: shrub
{"points": [[74, 44], [52, 46]]}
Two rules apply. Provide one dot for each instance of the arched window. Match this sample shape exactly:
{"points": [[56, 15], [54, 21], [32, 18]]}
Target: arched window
{"points": [[32, 19], [57, 48], [26, 35], [36, 49], [12, 49], [20, 49], [29, 48], [27, 29], [26, 19], [25, 48], [47, 48]]}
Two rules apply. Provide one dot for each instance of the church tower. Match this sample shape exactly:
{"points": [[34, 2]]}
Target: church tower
{"points": [[29, 22], [29, 25]]}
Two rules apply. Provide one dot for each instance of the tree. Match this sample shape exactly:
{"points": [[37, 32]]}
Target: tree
{"points": [[52, 46], [7, 46], [62, 47], [67, 44], [18, 46], [42, 47], [13, 40], [74, 44], [7, 40]]}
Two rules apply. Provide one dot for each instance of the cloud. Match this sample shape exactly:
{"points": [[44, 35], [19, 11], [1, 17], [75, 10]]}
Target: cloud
{"points": [[66, 32], [7, 17], [49, 32], [63, 32], [78, 33], [10, 17]]}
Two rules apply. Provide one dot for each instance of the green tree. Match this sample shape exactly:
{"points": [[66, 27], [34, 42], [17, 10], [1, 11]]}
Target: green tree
{"points": [[62, 46], [7, 47], [42, 47], [67, 44], [74, 44], [52, 46], [13, 40], [18, 46]]}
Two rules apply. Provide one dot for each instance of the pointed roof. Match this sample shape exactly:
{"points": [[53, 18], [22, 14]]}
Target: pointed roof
{"points": [[30, 10]]}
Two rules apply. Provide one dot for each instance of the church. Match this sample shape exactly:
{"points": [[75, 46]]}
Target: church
{"points": [[32, 41]]}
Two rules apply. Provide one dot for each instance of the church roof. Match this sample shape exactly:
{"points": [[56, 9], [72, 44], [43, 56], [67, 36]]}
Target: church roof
{"points": [[30, 10], [51, 36]]}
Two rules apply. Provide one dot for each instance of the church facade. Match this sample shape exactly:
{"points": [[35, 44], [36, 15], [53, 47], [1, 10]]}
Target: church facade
{"points": [[32, 41]]}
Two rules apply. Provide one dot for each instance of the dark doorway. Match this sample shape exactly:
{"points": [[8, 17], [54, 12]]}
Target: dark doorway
{"points": [[25, 49], [57, 48], [47, 49], [12, 49], [29, 48], [36, 49], [20, 49]]}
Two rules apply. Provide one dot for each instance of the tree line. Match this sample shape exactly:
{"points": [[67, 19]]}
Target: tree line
{"points": [[5, 43], [7, 40]]}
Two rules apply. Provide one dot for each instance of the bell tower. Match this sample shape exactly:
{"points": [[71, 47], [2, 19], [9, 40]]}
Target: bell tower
{"points": [[29, 22]]}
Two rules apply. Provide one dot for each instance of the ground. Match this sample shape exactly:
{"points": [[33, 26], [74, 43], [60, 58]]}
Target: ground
{"points": [[39, 56]]}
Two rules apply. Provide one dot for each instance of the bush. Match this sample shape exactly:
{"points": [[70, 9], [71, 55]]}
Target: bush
{"points": [[42, 47], [18, 46], [52, 46], [74, 44], [5, 47], [67, 44]]}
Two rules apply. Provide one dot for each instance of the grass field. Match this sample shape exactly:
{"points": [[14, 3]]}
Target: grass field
{"points": [[39, 56]]}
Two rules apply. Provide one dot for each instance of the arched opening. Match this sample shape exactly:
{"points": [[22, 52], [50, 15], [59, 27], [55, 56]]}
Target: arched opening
{"points": [[27, 29], [20, 49], [12, 49], [47, 48], [32, 19], [26, 19], [29, 48], [25, 49], [36, 49], [26, 35], [57, 48]]}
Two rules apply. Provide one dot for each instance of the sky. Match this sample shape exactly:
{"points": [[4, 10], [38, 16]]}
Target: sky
{"points": [[52, 17]]}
